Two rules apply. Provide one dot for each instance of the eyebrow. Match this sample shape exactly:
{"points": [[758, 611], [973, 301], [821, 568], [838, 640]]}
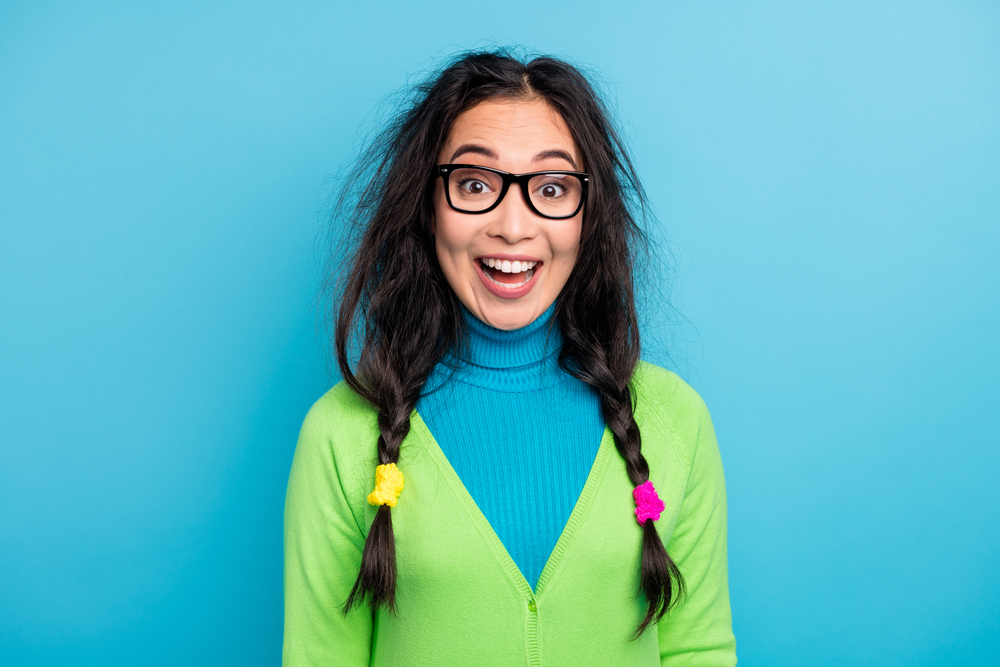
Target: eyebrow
{"points": [[490, 153], [555, 152], [474, 148]]}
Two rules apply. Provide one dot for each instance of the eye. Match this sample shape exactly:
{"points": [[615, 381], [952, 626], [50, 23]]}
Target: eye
{"points": [[474, 186], [551, 190]]}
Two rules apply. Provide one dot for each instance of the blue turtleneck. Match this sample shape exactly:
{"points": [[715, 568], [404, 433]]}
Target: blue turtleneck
{"points": [[521, 433]]}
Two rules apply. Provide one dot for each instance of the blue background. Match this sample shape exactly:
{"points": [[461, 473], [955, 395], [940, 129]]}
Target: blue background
{"points": [[828, 174]]}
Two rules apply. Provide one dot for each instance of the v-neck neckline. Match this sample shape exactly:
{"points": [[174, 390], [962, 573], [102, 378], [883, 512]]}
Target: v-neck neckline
{"points": [[581, 509]]}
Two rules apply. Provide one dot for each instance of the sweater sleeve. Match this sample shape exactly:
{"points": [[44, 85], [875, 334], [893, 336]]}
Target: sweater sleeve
{"points": [[697, 632], [324, 538]]}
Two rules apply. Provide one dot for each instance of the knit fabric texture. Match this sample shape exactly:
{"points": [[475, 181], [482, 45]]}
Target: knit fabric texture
{"points": [[521, 433]]}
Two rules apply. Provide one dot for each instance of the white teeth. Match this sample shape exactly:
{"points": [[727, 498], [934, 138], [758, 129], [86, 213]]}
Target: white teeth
{"points": [[516, 266]]}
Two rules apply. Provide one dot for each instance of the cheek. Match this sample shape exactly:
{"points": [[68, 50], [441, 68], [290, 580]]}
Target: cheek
{"points": [[566, 242], [452, 241], [448, 237]]}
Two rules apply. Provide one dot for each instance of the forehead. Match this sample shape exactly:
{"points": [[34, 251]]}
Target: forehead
{"points": [[515, 130]]}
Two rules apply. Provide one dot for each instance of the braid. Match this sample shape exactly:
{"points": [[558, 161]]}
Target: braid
{"points": [[617, 408], [377, 578], [657, 567]]}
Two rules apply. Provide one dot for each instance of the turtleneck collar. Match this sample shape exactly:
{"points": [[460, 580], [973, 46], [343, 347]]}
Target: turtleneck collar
{"points": [[518, 361], [498, 349]]}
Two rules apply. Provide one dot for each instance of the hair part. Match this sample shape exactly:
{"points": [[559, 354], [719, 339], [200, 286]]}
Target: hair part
{"points": [[398, 311]]}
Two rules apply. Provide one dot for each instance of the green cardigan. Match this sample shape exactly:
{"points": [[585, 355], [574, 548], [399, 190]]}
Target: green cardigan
{"points": [[461, 599]]}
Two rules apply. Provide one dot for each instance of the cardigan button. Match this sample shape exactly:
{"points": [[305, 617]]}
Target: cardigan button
{"points": [[532, 607]]}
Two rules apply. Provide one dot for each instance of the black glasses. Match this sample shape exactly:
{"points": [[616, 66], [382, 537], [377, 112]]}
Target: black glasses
{"points": [[551, 194]]}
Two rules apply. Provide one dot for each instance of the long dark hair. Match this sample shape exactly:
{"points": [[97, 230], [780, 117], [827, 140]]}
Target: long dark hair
{"points": [[398, 316]]}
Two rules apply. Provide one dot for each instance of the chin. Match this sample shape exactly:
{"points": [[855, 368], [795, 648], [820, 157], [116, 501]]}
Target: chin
{"points": [[508, 319], [510, 324]]}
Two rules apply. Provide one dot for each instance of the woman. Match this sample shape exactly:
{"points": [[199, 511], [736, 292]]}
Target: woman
{"points": [[564, 503]]}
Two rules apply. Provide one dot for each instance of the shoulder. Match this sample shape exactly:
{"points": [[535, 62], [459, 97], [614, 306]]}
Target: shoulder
{"points": [[668, 407], [661, 390], [337, 444], [339, 413]]}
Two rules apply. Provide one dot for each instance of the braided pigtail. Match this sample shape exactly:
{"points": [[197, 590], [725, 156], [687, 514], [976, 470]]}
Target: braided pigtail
{"points": [[377, 578], [658, 569]]}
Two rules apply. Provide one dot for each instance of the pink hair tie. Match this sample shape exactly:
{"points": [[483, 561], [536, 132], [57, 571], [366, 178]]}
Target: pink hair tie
{"points": [[647, 504]]}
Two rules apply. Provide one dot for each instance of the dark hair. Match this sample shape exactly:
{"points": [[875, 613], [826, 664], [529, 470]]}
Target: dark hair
{"points": [[399, 315]]}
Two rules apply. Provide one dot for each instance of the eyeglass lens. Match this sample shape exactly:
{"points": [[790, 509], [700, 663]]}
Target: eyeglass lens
{"points": [[551, 194]]}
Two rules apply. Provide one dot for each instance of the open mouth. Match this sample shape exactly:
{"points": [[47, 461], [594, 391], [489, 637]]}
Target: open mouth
{"points": [[506, 273]]}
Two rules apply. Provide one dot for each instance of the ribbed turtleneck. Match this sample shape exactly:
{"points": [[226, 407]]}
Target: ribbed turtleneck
{"points": [[521, 433]]}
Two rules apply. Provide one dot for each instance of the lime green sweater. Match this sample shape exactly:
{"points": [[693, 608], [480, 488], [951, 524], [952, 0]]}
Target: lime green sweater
{"points": [[461, 599]]}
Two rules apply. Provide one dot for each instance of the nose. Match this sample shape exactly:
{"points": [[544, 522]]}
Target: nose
{"points": [[512, 220]]}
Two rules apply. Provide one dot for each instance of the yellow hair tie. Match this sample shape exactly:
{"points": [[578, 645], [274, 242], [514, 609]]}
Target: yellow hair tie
{"points": [[388, 484]]}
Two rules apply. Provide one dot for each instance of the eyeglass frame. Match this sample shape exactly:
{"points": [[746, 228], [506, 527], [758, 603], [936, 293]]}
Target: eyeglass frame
{"points": [[445, 170]]}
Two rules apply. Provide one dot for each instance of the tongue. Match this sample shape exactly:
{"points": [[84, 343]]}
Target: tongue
{"points": [[508, 278]]}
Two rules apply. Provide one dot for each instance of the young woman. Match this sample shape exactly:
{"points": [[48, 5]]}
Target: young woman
{"points": [[499, 480]]}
